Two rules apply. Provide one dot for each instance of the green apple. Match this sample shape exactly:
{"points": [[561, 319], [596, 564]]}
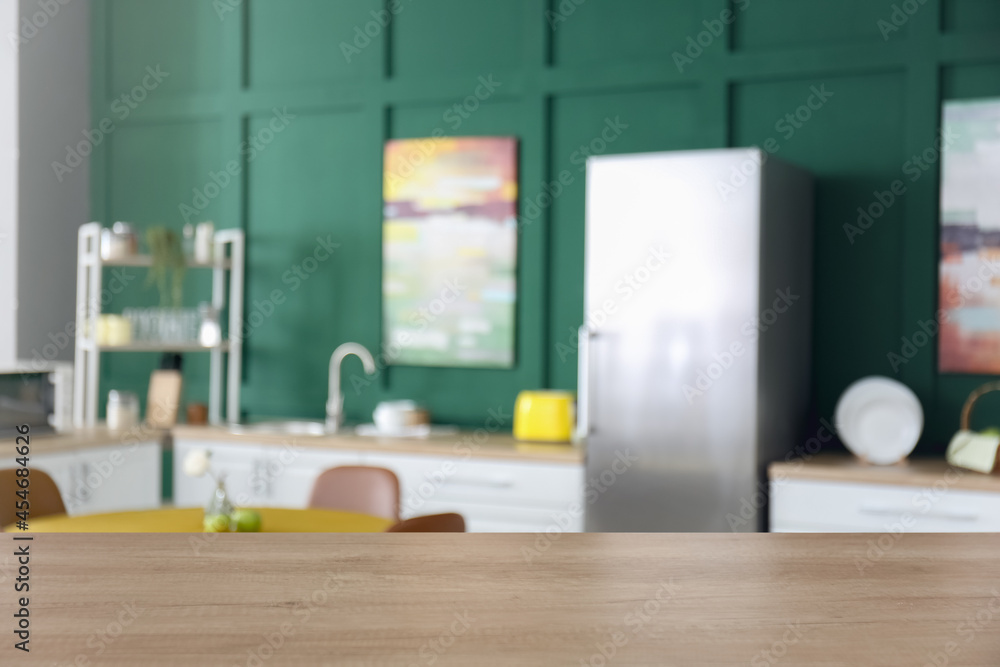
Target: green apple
{"points": [[216, 523], [992, 430], [247, 521]]}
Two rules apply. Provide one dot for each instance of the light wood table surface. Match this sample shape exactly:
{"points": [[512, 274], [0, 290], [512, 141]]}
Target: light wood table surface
{"points": [[481, 599], [191, 519]]}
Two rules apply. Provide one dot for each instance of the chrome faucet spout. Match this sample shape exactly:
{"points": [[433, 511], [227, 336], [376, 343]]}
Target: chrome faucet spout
{"points": [[335, 402]]}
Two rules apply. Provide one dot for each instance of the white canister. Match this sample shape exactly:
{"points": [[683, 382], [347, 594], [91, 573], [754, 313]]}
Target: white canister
{"points": [[204, 241], [119, 242], [123, 410], [398, 416]]}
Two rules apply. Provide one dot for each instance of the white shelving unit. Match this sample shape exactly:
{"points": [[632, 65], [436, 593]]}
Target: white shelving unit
{"points": [[228, 251]]}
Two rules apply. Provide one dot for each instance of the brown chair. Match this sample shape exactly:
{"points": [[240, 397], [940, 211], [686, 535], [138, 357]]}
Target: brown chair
{"points": [[434, 523], [362, 489], [43, 496]]}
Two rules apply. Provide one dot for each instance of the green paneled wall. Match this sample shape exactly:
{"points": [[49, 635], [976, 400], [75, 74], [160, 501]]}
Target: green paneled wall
{"points": [[565, 68]]}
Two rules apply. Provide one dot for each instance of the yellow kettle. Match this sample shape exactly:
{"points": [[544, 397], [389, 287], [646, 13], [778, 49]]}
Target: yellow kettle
{"points": [[544, 416]]}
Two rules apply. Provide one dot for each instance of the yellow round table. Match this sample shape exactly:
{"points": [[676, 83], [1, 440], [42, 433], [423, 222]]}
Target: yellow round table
{"points": [[189, 520]]}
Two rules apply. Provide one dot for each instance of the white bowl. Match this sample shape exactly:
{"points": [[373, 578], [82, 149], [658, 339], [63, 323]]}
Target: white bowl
{"points": [[397, 416]]}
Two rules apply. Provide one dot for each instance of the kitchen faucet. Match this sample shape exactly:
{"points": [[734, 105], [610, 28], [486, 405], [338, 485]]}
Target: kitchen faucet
{"points": [[335, 404]]}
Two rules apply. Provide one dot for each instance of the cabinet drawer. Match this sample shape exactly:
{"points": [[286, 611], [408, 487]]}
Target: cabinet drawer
{"points": [[289, 473], [122, 478], [64, 470], [260, 475], [106, 479], [801, 505], [425, 478], [482, 518]]}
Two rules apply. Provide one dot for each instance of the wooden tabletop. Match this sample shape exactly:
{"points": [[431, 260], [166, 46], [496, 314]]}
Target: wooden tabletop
{"points": [[493, 599]]}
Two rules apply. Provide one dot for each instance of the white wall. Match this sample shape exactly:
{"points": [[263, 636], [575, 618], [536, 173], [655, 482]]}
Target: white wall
{"points": [[44, 107], [8, 183], [54, 106]]}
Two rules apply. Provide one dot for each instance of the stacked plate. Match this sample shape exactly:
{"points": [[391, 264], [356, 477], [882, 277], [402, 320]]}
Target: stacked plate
{"points": [[879, 420]]}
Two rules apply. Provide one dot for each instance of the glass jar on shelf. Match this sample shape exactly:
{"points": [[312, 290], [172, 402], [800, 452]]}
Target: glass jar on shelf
{"points": [[119, 242], [122, 410]]}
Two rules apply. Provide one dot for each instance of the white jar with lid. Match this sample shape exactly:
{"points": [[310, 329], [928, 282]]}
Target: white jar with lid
{"points": [[123, 410], [119, 242]]}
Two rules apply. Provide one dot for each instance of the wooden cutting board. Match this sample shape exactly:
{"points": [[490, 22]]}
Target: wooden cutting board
{"points": [[164, 398]]}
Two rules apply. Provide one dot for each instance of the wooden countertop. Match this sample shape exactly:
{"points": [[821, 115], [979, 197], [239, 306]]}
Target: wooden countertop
{"points": [[460, 599], [49, 442], [467, 443], [472, 443], [913, 472]]}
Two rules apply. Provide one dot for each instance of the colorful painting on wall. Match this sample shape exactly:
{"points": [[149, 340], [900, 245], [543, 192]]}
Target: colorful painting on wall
{"points": [[449, 277], [969, 341]]}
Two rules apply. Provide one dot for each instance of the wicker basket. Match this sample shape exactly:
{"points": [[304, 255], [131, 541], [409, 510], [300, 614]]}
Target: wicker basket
{"points": [[970, 402], [971, 450]]}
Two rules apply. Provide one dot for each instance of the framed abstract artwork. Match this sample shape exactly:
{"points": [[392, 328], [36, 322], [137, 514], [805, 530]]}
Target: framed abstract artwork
{"points": [[969, 268], [449, 280]]}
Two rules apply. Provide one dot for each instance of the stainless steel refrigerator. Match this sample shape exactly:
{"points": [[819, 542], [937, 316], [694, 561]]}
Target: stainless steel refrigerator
{"points": [[695, 350]]}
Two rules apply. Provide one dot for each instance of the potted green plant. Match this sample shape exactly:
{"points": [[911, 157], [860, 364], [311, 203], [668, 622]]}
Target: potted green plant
{"points": [[168, 267]]}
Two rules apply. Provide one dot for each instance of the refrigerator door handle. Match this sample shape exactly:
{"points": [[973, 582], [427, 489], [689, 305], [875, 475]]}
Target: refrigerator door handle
{"points": [[583, 425]]}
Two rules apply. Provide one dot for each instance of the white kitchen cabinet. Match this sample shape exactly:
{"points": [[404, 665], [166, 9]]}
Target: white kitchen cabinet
{"points": [[63, 468], [487, 518], [494, 495], [819, 506], [106, 479], [835, 493], [42, 110], [257, 474], [123, 478], [288, 473]]}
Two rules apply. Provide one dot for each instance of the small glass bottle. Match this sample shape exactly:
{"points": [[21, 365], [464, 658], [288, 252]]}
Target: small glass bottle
{"points": [[210, 330], [219, 510]]}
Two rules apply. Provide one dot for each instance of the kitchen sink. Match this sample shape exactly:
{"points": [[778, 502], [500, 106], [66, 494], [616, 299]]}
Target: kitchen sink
{"points": [[282, 428]]}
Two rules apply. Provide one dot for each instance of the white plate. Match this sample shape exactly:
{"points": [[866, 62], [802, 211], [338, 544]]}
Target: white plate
{"points": [[879, 419], [421, 431]]}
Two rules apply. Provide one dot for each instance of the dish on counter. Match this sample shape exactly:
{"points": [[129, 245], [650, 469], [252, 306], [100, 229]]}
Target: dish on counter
{"points": [[278, 427], [879, 420], [417, 431], [391, 416]]}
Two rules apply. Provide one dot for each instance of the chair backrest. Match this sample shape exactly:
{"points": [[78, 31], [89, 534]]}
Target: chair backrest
{"points": [[43, 496], [434, 523], [363, 489]]}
